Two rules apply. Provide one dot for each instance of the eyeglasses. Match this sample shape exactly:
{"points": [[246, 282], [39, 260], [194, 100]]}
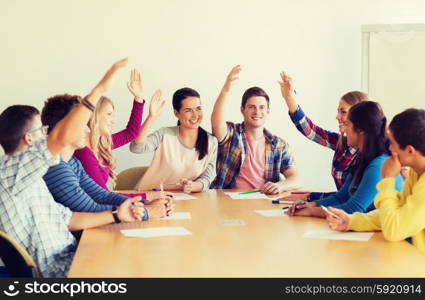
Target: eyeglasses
{"points": [[42, 128]]}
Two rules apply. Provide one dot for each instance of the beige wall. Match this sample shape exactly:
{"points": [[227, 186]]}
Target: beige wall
{"points": [[50, 46]]}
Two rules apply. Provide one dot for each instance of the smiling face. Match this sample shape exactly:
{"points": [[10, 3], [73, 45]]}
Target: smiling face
{"points": [[354, 136], [190, 113], [106, 118], [255, 111], [342, 115]]}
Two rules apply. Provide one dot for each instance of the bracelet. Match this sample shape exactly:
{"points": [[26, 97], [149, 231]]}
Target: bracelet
{"points": [[87, 104], [115, 214], [145, 215]]}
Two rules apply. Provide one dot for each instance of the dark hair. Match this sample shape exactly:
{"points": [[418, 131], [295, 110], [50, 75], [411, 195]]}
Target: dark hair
{"points": [[14, 122], [408, 128], [57, 107], [202, 140], [368, 117], [254, 92]]}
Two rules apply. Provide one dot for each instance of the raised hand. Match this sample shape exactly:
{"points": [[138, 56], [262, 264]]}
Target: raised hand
{"points": [[391, 166], [286, 86], [233, 75], [135, 85], [109, 76], [338, 220], [156, 105], [131, 210]]}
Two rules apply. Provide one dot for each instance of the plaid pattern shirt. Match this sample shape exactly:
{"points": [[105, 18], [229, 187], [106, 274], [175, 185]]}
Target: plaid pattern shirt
{"points": [[232, 152], [29, 214], [344, 154]]}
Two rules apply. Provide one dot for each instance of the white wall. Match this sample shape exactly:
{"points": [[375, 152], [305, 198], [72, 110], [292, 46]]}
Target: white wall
{"points": [[50, 46]]}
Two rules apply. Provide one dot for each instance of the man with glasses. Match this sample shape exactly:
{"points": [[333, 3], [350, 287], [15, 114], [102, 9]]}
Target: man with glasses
{"points": [[28, 212]]}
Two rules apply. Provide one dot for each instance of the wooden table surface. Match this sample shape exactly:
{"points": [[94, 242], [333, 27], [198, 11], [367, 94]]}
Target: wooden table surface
{"points": [[264, 247]]}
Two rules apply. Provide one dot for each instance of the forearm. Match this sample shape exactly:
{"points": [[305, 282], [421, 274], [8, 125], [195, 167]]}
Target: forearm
{"points": [[83, 220], [218, 123], [291, 104], [145, 130], [197, 186]]}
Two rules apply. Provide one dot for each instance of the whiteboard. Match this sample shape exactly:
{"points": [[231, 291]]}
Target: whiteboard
{"points": [[393, 66]]}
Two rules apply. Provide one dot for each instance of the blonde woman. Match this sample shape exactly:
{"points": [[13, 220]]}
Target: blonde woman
{"points": [[97, 158]]}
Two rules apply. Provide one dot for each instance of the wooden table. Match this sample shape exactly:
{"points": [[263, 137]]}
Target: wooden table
{"points": [[264, 247]]}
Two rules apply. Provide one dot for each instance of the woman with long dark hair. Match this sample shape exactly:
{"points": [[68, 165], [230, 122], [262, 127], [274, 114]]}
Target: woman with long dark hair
{"points": [[365, 129], [185, 155]]}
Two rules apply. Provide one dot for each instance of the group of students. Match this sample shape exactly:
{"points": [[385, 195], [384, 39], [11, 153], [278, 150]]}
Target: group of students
{"points": [[54, 175]]}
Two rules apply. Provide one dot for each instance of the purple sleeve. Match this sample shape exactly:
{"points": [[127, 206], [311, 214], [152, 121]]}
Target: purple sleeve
{"points": [[313, 132], [132, 130], [92, 167]]}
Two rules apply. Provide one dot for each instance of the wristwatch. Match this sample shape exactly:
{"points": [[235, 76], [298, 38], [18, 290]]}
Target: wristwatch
{"points": [[115, 214]]}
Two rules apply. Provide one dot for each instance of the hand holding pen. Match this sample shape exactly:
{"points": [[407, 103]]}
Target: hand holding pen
{"points": [[296, 206], [337, 218]]}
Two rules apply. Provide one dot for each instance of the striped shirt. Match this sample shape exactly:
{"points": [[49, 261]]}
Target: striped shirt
{"points": [[344, 154], [232, 152], [29, 214], [72, 187]]}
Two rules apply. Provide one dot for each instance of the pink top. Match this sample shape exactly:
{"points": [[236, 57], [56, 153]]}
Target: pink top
{"points": [[100, 172], [252, 174]]}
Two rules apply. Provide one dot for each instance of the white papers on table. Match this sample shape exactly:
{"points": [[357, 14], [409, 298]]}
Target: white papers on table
{"points": [[178, 216], [337, 235], [272, 212], [237, 195], [182, 196], [156, 232]]}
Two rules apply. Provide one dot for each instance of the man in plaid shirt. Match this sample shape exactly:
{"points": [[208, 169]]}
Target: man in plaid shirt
{"points": [[28, 212], [249, 156]]}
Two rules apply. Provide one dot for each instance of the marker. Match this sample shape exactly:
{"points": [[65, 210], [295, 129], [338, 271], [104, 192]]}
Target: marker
{"points": [[299, 192], [281, 202], [285, 207], [249, 192]]}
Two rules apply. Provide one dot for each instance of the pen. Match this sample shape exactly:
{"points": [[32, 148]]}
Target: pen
{"points": [[249, 192], [281, 202], [285, 207], [299, 192]]}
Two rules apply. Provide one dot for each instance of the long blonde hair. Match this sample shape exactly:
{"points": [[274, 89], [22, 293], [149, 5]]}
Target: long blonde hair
{"points": [[102, 145]]}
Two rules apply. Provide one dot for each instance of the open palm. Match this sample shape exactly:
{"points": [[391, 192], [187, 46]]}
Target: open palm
{"points": [[135, 85], [156, 105]]}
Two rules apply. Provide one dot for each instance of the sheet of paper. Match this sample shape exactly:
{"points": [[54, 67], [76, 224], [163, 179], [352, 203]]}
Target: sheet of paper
{"points": [[237, 195], [178, 216], [272, 212], [182, 196], [156, 232], [337, 235], [232, 222]]}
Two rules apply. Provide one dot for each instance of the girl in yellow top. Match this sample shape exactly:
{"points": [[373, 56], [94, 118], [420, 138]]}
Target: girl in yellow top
{"points": [[399, 215]]}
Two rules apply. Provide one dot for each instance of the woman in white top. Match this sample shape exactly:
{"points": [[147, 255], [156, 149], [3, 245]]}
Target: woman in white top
{"points": [[185, 155]]}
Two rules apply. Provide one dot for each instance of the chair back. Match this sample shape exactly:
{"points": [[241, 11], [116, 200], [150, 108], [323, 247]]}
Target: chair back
{"points": [[16, 259], [127, 179]]}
